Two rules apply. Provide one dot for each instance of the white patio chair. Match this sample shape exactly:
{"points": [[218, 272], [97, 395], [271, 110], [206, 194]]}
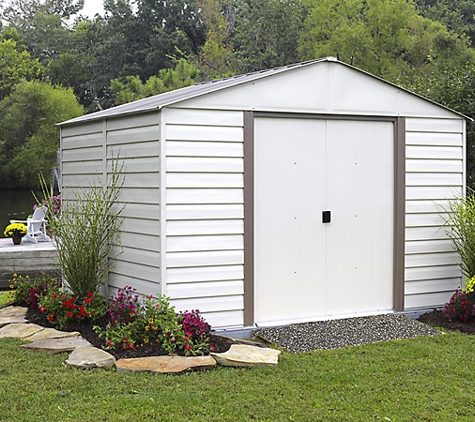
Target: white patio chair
{"points": [[36, 226]]}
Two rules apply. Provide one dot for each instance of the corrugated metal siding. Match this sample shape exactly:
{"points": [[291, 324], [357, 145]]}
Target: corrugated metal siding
{"points": [[205, 257], [434, 176], [85, 162], [136, 140]]}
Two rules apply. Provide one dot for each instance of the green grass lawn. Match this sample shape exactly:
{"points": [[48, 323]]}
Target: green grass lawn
{"points": [[422, 379]]}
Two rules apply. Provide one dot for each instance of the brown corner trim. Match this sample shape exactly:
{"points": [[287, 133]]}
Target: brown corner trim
{"points": [[399, 211], [248, 218]]}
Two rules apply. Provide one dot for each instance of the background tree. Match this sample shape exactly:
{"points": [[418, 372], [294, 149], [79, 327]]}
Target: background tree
{"points": [[266, 33], [29, 139], [15, 63], [385, 37], [133, 89], [457, 15], [215, 56]]}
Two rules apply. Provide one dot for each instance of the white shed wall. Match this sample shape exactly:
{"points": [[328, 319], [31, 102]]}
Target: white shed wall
{"points": [[87, 153], [434, 175], [205, 212]]}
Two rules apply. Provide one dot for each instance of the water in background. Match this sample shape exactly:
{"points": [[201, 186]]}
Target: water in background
{"points": [[15, 205]]}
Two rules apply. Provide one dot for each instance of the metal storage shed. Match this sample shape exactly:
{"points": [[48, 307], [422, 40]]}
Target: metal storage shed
{"points": [[305, 192]]}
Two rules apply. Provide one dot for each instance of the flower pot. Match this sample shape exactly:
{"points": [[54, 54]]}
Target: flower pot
{"points": [[16, 240]]}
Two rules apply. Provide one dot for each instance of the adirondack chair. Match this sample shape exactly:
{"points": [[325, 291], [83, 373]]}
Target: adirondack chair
{"points": [[36, 225]]}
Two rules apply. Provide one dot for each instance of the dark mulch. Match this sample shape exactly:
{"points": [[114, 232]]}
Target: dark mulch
{"points": [[221, 344], [437, 319]]}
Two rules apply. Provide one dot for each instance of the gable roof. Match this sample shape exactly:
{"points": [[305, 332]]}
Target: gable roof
{"points": [[172, 97]]}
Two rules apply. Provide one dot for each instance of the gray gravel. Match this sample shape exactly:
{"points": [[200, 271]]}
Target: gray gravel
{"points": [[338, 333]]}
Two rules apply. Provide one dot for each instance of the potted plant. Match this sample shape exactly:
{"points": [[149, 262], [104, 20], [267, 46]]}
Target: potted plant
{"points": [[16, 231]]}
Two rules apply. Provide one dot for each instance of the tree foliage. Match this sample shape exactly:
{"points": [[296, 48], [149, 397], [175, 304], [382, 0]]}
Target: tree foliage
{"points": [[144, 47], [29, 139], [133, 89], [15, 64], [385, 37], [266, 33]]}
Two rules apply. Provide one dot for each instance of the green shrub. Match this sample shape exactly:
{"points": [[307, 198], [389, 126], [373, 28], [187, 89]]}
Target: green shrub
{"points": [[136, 322], [28, 291], [62, 308]]}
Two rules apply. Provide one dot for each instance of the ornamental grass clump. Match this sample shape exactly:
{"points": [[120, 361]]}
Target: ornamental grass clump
{"points": [[460, 225], [86, 231]]}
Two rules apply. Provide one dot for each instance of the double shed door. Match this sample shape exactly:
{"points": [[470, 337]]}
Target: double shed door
{"points": [[304, 268]]}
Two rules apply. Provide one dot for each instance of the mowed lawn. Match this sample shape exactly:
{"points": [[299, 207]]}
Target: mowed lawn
{"points": [[421, 379]]}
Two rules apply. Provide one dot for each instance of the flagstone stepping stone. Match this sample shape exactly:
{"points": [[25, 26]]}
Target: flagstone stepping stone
{"points": [[90, 357], [57, 345], [12, 315], [12, 320], [165, 364], [19, 330], [51, 333], [243, 356], [9, 311]]}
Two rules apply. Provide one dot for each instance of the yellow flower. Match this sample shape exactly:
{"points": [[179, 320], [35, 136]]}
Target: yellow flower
{"points": [[145, 340], [150, 320], [146, 328], [12, 286]]}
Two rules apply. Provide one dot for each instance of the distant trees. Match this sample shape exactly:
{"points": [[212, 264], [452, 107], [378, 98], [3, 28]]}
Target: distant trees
{"points": [[29, 139], [144, 47], [385, 37]]}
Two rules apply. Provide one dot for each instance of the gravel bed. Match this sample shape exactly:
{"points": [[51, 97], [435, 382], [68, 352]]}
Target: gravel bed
{"points": [[339, 333]]}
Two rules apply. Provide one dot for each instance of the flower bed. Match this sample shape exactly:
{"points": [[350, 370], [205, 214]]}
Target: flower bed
{"points": [[126, 325]]}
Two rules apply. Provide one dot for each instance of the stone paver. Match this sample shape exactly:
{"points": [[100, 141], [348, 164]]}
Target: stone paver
{"points": [[243, 355], [10, 311], [12, 315], [51, 333], [58, 345], [20, 330], [12, 320], [165, 364], [90, 357]]}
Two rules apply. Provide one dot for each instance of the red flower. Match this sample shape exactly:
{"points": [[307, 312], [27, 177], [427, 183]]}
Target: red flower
{"points": [[51, 317], [82, 311], [69, 315]]}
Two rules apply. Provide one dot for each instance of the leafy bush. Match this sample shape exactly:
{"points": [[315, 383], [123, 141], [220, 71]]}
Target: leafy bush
{"points": [[138, 321], [30, 291], [62, 307], [459, 307], [462, 303]]}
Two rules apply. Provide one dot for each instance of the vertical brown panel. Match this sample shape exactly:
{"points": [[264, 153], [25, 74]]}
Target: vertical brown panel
{"points": [[248, 218], [399, 211]]}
